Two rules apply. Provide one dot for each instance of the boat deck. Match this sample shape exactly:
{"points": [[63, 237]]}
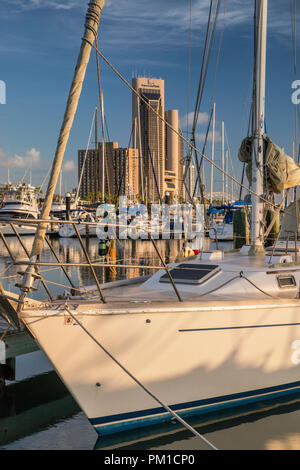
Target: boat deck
{"points": [[240, 281]]}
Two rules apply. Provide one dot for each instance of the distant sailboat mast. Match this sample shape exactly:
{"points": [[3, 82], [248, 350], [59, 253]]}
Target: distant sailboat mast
{"points": [[212, 153], [91, 27], [223, 163]]}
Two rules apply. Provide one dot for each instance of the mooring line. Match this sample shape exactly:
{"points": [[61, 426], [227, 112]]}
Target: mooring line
{"points": [[167, 408]]}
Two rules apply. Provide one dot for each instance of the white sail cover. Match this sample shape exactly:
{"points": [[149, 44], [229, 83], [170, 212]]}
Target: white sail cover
{"points": [[281, 172], [290, 219]]}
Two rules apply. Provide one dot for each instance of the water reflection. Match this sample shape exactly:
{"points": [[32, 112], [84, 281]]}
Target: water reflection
{"points": [[39, 413], [269, 425], [41, 402], [34, 404], [139, 252]]}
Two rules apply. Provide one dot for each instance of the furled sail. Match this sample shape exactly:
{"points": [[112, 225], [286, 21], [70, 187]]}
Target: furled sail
{"points": [[281, 172], [290, 220]]}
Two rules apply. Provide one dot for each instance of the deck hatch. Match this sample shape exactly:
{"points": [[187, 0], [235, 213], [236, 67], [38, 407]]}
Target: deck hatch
{"points": [[187, 273]]}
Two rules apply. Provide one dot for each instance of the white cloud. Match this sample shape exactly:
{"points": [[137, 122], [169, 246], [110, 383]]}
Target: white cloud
{"points": [[69, 166], [162, 22], [188, 119], [200, 137], [38, 4], [32, 158]]}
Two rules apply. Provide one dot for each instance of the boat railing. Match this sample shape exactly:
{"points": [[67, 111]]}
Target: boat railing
{"points": [[216, 237], [295, 235], [36, 264]]}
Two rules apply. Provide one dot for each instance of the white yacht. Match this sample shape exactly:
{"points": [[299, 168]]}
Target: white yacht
{"points": [[19, 202], [83, 219]]}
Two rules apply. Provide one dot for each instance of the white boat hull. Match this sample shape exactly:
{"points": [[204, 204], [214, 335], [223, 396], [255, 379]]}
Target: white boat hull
{"points": [[195, 358], [223, 232], [68, 231], [21, 229]]}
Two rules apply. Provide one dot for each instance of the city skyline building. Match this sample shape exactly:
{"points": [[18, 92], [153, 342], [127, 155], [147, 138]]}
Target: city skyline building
{"points": [[149, 135], [152, 166], [90, 178], [107, 167], [120, 170], [87, 180], [126, 172], [174, 155]]}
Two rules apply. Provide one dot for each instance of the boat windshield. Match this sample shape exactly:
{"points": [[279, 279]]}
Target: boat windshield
{"points": [[18, 195]]}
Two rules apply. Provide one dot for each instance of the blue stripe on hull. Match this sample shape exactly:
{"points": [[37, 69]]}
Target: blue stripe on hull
{"points": [[127, 421]]}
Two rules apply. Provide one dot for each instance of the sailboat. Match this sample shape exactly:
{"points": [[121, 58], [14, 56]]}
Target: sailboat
{"points": [[84, 219], [222, 230], [217, 331]]}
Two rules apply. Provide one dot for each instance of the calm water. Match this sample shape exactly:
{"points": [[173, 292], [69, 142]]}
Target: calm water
{"points": [[37, 412]]}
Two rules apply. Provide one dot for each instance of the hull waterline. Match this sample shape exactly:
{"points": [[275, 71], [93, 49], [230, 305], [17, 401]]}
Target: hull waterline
{"points": [[196, 360]]}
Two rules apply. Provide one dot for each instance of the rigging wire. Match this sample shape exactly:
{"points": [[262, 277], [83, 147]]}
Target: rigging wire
{"points": [[294, 38], [85, 155], [44, 180], [209, 39], [104, 163], [203, 75], [189, 69], [106, 127], [296, 110], [219, 52], [213, 90], [193, 147], [203, 150], [124, 168], [229, 151], [205, 64], [195, 119], [139, 383]]}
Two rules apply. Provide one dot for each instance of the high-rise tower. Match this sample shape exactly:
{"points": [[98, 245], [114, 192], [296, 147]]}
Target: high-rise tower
{"points": [[149, 135]]}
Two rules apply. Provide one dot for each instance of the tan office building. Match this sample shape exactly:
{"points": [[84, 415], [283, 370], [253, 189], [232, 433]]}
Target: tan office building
{"points": [[126, 172], [149, 135], [91, 180], [88, 183], [109, 172], [121, 172], [174, 154]]}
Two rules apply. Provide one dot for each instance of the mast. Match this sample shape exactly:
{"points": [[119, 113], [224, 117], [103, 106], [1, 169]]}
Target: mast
{"points": [[212, 152], [226, 179], [140, 151], [95, 117], [91, 27], [223, 162], [60, 187], [257, 247], [103, 151]]}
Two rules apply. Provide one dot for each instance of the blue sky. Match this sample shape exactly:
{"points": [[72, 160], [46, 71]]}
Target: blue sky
{"points": [[39, 43]]}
